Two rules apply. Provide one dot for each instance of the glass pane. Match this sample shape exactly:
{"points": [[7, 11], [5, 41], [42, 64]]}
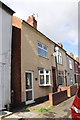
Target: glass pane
{"points": [[40, 45], [42, 52], [47, 71], [47, 79], [45, 47], [45, 53], [41, 79], [60, 80], [28, 95], [39, 51], [41, 71], [28, 81]]}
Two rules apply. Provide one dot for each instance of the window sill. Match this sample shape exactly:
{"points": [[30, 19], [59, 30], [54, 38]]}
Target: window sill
{"points": [[43, 57], [44, 85], [60, 64]]}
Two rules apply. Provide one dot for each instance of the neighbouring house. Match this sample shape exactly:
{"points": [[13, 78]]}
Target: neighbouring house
{"points": [[77, 70], [61, 66], [35, 71], [70, 69], [5, 54]]}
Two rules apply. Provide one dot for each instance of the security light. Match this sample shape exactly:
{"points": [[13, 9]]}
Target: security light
{"points": [[56, 48]]}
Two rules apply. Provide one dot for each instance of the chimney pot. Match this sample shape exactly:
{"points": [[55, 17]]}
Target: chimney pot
{"points": [[29, 17], [71, 54], [32, 21], [60, 44]]}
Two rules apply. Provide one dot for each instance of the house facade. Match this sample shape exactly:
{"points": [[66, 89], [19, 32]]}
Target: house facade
{"points": [[61, 66], [77, 71], [36, 72], [5, 54], [70, 70]]}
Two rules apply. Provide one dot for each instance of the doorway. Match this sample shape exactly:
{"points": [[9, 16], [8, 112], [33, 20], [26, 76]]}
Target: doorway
{"points": [[29, 87], [54, 79]]}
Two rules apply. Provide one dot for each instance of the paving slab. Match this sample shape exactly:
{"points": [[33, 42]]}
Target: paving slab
{"points": [[12, 117], [61, 110]]}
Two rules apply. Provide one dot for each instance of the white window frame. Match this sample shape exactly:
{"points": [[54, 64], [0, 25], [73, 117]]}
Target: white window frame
{"points": [[59, 58], [44, 78], [32, 89], [70, 64], [43, 49]]}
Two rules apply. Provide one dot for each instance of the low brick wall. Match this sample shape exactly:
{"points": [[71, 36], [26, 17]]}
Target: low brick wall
{"points": [[71, 90], [57, 97]]}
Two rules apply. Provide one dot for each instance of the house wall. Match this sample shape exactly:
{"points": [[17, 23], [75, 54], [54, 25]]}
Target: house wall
{"points": [[29, 51], [70, 72], [76, 72], [5, 57], [63, 66], [16, 65]]}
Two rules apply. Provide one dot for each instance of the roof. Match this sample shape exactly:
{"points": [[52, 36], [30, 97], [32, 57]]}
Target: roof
{"points": [[71, 58], [44, 36], [6, 8]]}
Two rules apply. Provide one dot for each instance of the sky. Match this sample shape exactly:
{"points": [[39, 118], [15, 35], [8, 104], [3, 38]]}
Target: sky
{"points": [[57, 19]]}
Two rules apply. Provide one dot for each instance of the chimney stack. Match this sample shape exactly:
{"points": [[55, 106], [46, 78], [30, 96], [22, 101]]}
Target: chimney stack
{"points": [[60, 44], [71, 54], [77, 59], [32, 21]]}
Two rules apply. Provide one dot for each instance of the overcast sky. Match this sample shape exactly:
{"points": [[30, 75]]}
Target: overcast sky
{"points": [[57, 19]]}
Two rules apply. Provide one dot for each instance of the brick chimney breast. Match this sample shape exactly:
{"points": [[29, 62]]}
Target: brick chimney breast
{"points": [[16, 22], [71, 54], [60, 44], [77, 59], [32, 21]]}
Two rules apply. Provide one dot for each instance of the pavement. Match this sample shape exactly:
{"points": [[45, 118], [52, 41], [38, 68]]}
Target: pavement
{"points": [[61, 110]]}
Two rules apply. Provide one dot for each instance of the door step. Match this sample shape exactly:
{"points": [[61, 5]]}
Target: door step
{"points": [[12, 117]]}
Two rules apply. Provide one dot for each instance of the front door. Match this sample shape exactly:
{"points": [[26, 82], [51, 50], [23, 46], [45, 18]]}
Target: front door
{"points": [[54, 80], [29, 87]]}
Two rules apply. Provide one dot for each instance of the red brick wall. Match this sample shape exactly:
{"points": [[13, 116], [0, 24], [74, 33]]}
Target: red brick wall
{"points": [[71, 90], [17, 22], [57, 97], [16, 64]]}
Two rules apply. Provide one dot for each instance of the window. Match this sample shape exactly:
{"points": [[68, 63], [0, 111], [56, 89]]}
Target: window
{"points": [[71, 80], [70, 64], [44, 76], [59, 58], [60, 78], [42, 50]]}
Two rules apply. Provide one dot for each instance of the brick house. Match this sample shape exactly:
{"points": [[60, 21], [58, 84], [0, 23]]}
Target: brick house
{"points": [[35, 70], [70, 70], [77, 71]]}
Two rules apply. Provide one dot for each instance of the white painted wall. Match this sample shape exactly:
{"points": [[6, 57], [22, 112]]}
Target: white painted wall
{"points": [[5, 57]]}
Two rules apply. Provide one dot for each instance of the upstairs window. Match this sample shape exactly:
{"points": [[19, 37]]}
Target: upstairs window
{"points": [[59, 58], [44, 77], [42, 50], [70, 64]]}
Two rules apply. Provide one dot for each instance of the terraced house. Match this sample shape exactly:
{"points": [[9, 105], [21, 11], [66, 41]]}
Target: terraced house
{"points": [[70, 69], [34, 65], [40, 65]]}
